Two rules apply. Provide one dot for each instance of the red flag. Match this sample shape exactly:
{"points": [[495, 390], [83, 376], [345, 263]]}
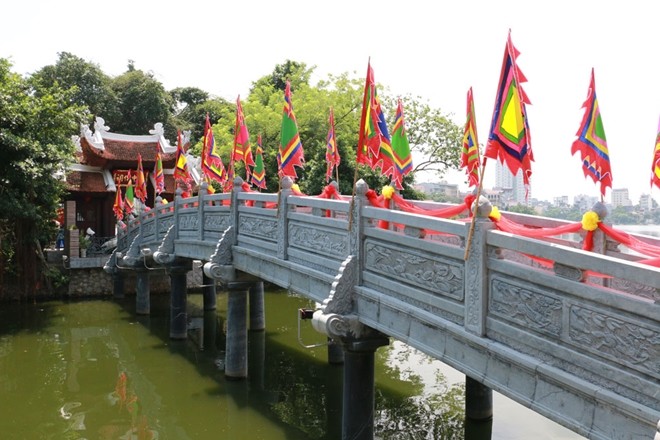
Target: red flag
{"points": [[118, 207], [291, 153], [332, 158], [591, 142], [140, 185], [470, 153], [374, 146], [509, 139], [242, 150], [159, 176], [212, 165], [655, 167], [181, 163]]}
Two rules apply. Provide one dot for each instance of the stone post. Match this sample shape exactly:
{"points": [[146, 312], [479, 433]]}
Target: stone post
{"points": [[237, 342], [478, 400], [257, 309], [209, 292], [142, 300], [178, 301]]}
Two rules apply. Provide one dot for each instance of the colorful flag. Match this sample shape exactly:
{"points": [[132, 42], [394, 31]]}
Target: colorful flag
{"points": [[118, 207], [374, 146], [258, 177], [141, 184], [591, 142], [159, 176], [212, 165], [470, 153], [400, 147], [181, 168], [509, 139], [129, 198], [332, 158], [291, 150], [655, 168], [242, 150]]}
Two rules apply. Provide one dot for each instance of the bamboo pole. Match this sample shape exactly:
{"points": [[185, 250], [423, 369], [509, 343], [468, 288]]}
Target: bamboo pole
{"points": [[475, 208]]}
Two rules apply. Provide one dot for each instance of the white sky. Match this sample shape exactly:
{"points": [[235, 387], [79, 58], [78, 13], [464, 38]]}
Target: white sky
{"points": [[434, 49]]}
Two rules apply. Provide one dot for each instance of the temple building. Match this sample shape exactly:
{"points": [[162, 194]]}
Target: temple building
{"points": [[103, 162]]}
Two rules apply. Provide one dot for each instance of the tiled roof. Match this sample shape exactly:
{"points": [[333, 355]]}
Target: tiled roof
{"points": [[123, 154], [78, 181]]}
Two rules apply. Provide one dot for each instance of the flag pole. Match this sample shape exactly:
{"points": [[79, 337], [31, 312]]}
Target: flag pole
{"points": [[475, 207]]}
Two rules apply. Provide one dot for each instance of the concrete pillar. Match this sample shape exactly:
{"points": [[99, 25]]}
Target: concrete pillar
{"points": [[117, 284], [210, 331], [237, 343], [478, 400], [208, 292], [359, 389], [142, 300], [257, 309], [178, 298], [335, 352]]}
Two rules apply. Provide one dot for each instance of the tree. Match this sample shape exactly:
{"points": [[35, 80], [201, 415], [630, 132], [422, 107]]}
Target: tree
{"points": [[143, 102], [86, 83], [35, 137]]}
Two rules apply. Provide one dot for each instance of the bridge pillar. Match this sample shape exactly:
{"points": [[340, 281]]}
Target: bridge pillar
{"points": [[178, 302], [117, 285], [335, 352], [142, 300], [257, 309], [478, 400], [359, 388], [208, 292], [237, 347]]}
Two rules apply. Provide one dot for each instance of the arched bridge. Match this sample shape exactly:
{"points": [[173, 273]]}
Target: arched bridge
{"points": [[578, 347]]}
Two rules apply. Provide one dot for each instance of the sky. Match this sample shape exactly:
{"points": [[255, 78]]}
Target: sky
{"points": [[435, 50]]}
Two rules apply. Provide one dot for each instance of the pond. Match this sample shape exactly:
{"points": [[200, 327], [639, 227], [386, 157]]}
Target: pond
{"points": [[95, 370]]}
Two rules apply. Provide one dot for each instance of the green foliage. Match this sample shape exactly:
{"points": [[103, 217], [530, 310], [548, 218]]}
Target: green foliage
{"points": [[36, 124], [522, 209]]}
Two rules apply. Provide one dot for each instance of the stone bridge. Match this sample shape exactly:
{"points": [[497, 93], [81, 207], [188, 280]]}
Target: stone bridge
{"points": [[578, 347]]}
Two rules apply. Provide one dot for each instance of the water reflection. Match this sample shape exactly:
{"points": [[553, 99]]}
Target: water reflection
{"points": [[94, 369]]}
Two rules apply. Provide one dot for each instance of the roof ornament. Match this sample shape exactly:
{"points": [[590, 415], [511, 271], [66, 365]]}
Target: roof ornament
{"points": [[158, 129]]}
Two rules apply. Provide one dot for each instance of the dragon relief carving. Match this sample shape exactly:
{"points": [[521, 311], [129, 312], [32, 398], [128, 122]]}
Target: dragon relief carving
{"points": [[317, 240], [432, 274], [255, 227], [616, 338], [188, 222], [215, 222], [530, 309], [165, 253]]}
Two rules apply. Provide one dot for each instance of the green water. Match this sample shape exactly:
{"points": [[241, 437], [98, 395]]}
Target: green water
{"points": [[61, 364]]}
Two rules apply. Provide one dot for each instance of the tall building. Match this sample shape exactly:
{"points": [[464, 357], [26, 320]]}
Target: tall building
{"points": [[512, 187], [620, 197]]}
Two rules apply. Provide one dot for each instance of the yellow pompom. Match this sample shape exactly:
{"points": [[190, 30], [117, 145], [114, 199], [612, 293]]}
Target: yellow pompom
{"points": [[387, 192], [295, 187], [590, 221], [164, 201], [495, 213]]}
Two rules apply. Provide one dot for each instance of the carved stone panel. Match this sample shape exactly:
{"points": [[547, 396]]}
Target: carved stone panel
{"points": [[529, 308], [164, 225], [320, 241], [216, 222], [616, 338], [188, 222], [439, 275], [148, 229], [258, 227]]}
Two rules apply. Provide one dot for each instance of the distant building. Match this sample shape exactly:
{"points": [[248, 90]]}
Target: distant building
{"points": [[646, 202], [512, 187], [620, 197], [584, 202], [561, 201], [449, 189]]}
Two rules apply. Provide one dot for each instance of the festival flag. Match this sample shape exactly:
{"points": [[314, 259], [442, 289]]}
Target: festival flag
{"points": [[129, 198], [332, 158], [258, 177], [181, 163], [212, 165], [118, 207], [159, 176], [591, 142], [470, 153], [655, 168], [141, 184], [242, 150], [509, 139], [400, 148], [374, 147], [291, 150]]}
